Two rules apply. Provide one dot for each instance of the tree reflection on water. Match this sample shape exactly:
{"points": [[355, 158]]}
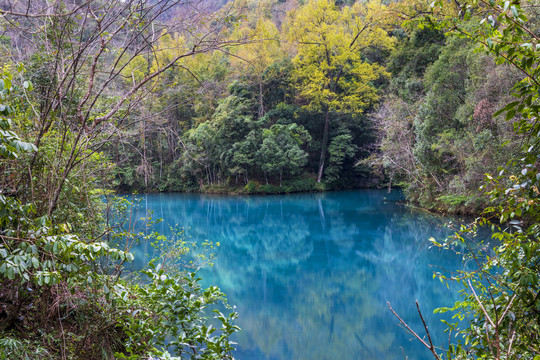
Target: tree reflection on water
{"points": [[310, 274]]}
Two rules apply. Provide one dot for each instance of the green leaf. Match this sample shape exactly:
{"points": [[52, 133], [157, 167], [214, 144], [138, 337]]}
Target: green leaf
{"points": [[7, 83], [507, 107], [510, 114]]}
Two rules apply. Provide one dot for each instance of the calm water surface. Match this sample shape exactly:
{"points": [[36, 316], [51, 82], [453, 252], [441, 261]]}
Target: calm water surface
{"points": [[310, 274]]}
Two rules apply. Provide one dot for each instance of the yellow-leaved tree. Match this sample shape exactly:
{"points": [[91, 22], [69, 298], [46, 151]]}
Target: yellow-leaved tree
{"points": [[331, 70], [261, 49]]}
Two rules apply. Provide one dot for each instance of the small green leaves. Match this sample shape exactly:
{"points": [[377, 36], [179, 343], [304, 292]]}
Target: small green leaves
{"points": [[6, 83]]}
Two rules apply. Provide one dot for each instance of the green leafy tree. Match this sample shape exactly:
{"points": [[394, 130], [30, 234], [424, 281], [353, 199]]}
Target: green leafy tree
{"points": [[244, 155], [341, 147], [197, 158], [411, 59], [281, 150], [442, 136], [446, 81]]}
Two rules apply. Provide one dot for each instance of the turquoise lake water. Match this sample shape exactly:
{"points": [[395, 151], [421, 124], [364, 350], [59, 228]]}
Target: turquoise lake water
{"points": [[310, 274]]}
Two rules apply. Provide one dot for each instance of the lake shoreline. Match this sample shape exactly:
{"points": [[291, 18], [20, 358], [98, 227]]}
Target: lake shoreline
{"points": [[437, 207], [257, 186]]}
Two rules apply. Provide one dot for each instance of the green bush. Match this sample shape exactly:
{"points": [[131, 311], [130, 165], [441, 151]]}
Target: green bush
{"points": [[64, 276], [251, 187], [271, 189], [301, 185], [170, 314]]}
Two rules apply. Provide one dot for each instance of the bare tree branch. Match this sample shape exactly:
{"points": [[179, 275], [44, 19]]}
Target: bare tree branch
{"points": [[430, 346]]}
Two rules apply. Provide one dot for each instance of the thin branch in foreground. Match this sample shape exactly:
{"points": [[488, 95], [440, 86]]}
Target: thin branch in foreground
{"points": [[488, 318], [430, 346]]}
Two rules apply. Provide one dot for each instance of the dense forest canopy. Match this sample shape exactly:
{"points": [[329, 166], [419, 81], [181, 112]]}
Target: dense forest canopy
{"points": [[302, 84], [253, 96]]}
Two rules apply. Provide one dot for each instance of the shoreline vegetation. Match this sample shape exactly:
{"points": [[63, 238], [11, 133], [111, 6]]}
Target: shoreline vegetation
{"points": [[259, 187], [442, 206]]}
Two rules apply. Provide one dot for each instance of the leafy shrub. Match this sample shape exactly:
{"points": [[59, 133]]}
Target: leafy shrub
{"points": [[251, 187], [61, 282], [301, 185], [12, 348], [271, 189], [170, 313]]}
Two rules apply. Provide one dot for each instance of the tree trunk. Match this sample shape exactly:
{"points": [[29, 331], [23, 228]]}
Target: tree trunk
{"points": [[324, 145], [261, 100], [67, 170]]}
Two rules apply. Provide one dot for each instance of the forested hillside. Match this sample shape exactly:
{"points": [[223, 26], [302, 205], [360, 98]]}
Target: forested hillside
{"points": [[253, 96], [295, 97], [287, 108], [319, 96], [440, 135]]}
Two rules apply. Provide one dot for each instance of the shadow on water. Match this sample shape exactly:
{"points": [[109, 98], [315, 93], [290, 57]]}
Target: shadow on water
{"points": [[310, 274]]}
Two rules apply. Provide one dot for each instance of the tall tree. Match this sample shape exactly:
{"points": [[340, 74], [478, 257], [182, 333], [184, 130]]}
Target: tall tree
{"points": [[331, 72], [262, 50]]}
